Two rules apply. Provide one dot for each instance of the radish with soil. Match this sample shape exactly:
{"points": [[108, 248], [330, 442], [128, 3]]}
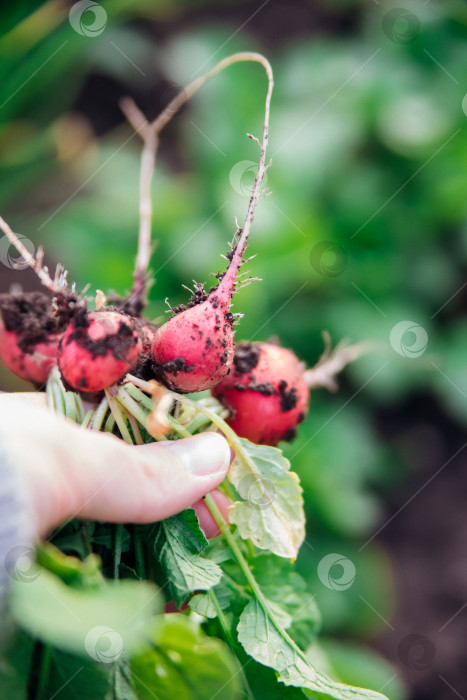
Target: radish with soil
{"points": [[194, 350], [29, 335], [97, 350], [265, 393], [267, 390]]}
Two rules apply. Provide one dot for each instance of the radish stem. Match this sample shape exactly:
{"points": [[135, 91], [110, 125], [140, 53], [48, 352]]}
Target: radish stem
{"points": [[99, 415], [88, 418], [117, 549], [119, 419], [135, 430], [253, 584], [131, 406], [110, 423], [45, 662], [138, 396]]}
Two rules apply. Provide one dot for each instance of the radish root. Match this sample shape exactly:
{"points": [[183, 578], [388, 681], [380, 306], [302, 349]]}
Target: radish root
{"points": [[149, 132], [331, 362], [58, 286]]}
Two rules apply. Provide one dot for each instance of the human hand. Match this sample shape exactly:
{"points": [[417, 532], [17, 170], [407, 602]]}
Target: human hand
{"points": [[71, 472]]}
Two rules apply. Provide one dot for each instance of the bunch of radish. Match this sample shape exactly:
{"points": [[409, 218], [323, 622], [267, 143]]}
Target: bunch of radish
{"points": [[264, 387]]}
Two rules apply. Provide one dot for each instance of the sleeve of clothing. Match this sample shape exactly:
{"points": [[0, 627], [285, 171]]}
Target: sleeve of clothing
{"points": [[16, 550]]}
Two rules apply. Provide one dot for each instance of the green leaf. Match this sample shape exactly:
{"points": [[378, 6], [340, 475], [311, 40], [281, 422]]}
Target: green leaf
{"points": [[15, 663], [203, 605], [261, 639], [284, 587], [178, 545], [230, 595], [122, 682], [231, 592], [285, 590], [98, 621], [105, 537], [72, 677], [185, 664], [272, 513], [125, 571], [263, 681]]}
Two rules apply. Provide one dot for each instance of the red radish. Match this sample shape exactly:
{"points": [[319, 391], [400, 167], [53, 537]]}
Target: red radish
{"points": [[29, 333], [195, 348], [266, 393], [97, 350], [33, 365]]}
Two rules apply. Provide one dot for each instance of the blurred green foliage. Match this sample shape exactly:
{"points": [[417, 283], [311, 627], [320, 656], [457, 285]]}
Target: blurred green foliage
{"points": [[369, 147]]}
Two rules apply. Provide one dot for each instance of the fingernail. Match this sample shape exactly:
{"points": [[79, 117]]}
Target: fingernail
{"points": [[204, 454]]}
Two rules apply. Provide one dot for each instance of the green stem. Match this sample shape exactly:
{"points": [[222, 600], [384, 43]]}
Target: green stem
{"points": [[232, 438], [257, 592], [139, 557], [180, 429], [117, 549], [109, 423], [70, 405], [135, 402], [197, 423], [50, 396], [131, 406], [58, 399], [119, 419], [79, 408], [137, 382], [232, 542], [250, 547], [228, 490], [229, 638], [46, 659], [222, 619], [100, 414], [135, 430], [138, 396], [88, 418], [85, 537]]}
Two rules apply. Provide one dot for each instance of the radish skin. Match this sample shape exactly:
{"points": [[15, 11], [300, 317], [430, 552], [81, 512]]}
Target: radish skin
{"points": [[98, 352], [194, 350], [33, 365], [265, 392]]}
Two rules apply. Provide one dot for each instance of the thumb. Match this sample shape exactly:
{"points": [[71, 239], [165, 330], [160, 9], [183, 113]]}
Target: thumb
{"points": [[152, 482]]}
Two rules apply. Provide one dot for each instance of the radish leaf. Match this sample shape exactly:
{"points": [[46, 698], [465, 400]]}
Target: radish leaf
{"points": [[178, 545], [271, 514], [262, 638], [184, 663], [80, 620]]}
